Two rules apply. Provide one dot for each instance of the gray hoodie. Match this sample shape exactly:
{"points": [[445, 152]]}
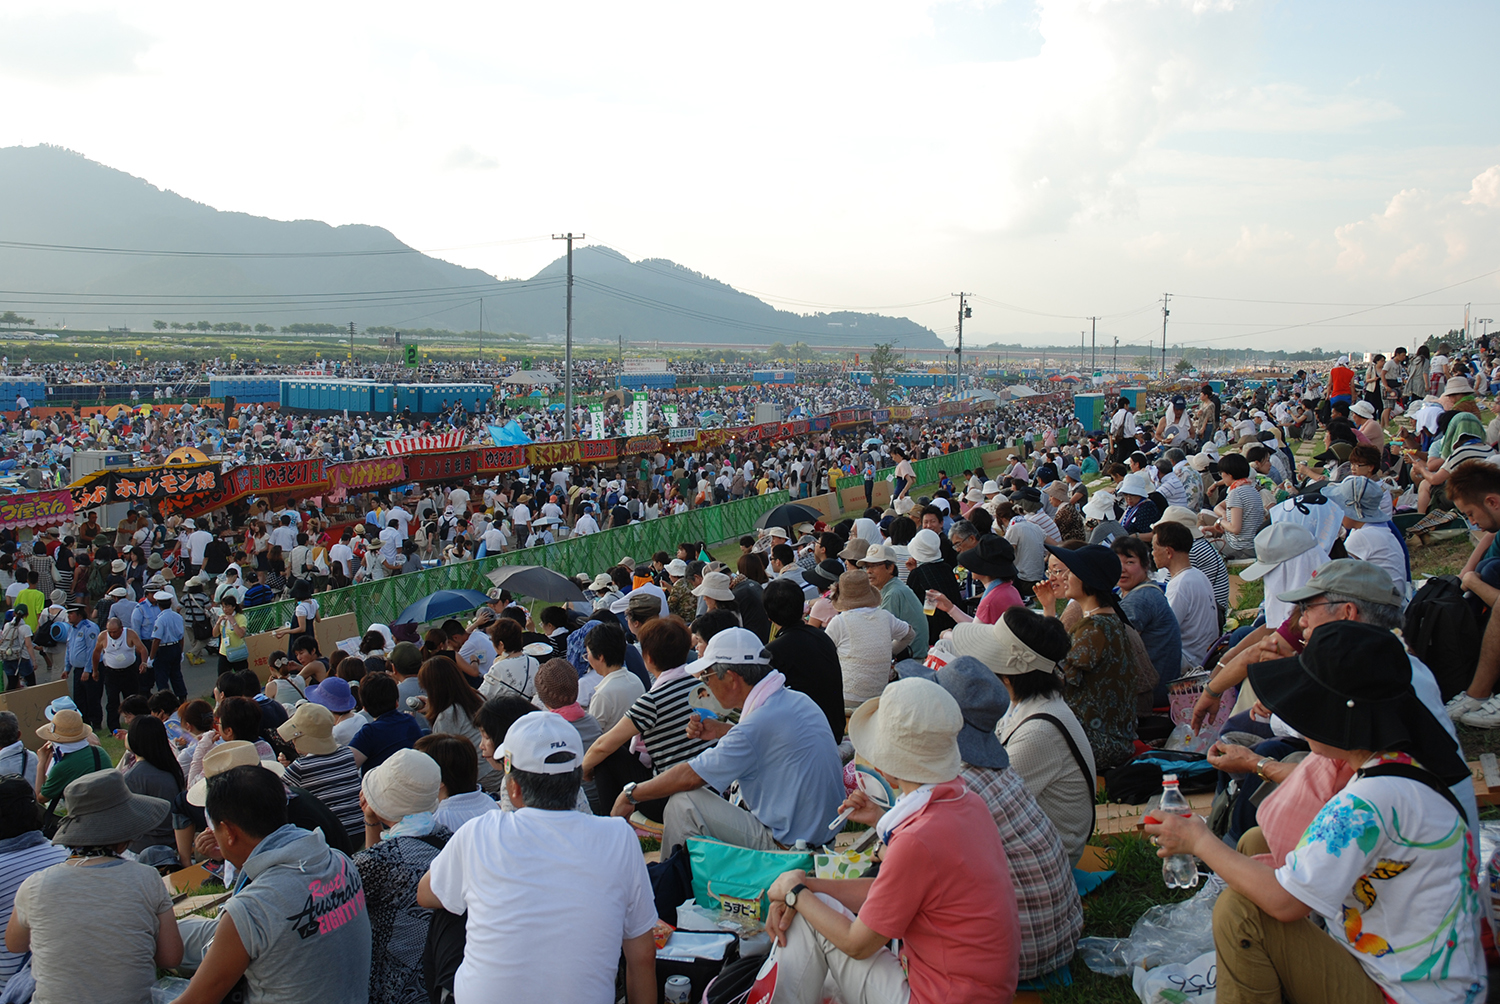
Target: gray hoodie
{"points": [[301, 916]]}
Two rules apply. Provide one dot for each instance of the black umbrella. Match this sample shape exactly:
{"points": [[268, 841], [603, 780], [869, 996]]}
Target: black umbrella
{"points": [[538, 582], [788, 515]]}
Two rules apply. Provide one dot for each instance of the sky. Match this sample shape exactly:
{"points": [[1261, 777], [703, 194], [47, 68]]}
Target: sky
{"points": [[1293, 174]]}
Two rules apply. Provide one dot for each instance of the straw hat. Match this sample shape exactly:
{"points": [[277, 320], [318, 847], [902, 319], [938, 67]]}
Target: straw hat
{"points": [[102, 811], [405, 784], [310, 729], [910, 731], [227, 756], [66, 727], [856, 591]]}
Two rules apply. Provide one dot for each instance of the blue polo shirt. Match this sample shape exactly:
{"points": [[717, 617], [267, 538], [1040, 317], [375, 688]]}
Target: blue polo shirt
{"points": [[81, 639], [143, 621], [392, 731], [787, 765]]}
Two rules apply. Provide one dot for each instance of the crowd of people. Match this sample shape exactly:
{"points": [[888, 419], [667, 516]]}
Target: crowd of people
{"points": [[953, 670]]}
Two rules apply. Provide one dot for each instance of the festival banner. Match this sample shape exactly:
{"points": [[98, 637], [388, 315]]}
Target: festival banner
{"points": [[36, 508], [641, 444], [599, 449], [596, 420], [442, 466], [670, 412], [552, 454], [638, 410], [363, 475], [898, 414], [797, 428], [822, 423], [847, 417], [179, 482], [682, 435], [501, 458]]}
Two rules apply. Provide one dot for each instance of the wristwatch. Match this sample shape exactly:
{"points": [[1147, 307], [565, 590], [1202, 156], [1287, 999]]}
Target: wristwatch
{"points": [[1260, 767], [791, 896], [629, 792]]}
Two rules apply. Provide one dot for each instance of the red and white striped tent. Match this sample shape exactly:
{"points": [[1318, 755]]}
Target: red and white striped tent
{"points": [[424, 444]]}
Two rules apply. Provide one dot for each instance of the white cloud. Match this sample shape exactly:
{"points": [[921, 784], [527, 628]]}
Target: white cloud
{"points": [[1428, 236], [69, 46]]}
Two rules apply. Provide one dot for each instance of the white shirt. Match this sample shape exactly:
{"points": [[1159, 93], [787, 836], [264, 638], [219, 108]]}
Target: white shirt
{"points": [[343, 554], [520, 515], [479, 650], [1191, 597], [525, 877], [586, 525], [1376, 544], [284, 537], [866, 638], [196, 543], [402, 518]]}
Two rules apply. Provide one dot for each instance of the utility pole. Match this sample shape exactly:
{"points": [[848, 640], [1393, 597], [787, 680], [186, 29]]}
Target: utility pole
{"points": [[481, 329], [1093, 345], [351, 342], [964, 310], [1165, 298], [1114, 367], [568, 342]]}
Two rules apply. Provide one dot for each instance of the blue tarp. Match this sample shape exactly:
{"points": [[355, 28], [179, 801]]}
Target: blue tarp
{"points": [[509, 434]]}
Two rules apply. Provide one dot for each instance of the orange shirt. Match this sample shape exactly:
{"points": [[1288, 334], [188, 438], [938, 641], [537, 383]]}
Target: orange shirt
{"points": [[1340, 380]]}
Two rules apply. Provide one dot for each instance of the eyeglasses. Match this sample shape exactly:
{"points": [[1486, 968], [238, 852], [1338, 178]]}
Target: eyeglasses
{"points": [[1307, 605]]}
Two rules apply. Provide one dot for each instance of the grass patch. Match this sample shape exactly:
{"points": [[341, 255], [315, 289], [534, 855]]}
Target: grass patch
{"points": [[1250, 594], [1111, 911]]}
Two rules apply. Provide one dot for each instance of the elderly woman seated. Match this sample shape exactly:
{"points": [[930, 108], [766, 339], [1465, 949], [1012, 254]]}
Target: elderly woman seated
{"points": [[1388, 864]]}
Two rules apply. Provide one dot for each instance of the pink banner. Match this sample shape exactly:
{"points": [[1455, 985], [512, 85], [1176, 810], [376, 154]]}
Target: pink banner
{"points": [[36, 508]]}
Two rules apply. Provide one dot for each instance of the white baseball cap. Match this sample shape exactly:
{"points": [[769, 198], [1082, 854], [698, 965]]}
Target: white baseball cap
{"points": [[736, 646], [542, 742]]}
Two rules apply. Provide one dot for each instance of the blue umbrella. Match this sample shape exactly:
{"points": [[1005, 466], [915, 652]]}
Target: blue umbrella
{"points": [[443, 603]]}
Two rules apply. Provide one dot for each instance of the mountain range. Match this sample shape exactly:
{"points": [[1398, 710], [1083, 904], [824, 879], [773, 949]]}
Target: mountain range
{"points": [[224, 266]]}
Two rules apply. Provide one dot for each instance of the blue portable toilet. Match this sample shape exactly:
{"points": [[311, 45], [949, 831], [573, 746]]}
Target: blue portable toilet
{"points": [[408, 396], [1092, 410], [382, 394], [1135, 395]]}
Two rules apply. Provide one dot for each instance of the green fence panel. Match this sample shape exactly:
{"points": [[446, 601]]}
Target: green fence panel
{"points": [[927, 468], [381, 601]]}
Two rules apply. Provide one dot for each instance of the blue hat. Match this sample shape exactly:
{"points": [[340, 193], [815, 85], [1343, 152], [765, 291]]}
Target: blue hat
{"points": [[333, 694], [1073, 471], [59, 704], [981, 697]]}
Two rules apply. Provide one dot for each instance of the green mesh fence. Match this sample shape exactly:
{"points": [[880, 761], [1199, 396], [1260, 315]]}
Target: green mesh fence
{"points": [[381, 601], [953, 463]]}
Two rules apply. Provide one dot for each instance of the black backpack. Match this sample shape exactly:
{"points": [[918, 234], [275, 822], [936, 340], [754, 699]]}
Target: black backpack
{"points": [[1442, 631]]}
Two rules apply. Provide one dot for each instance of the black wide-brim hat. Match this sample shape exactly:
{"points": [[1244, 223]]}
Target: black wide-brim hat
{"points": [[1351, 689], [993, 556], [1096, 566]]}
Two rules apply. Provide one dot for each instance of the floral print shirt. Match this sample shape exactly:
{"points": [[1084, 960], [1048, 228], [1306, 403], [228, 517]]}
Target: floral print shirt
{"points": [[1391, 868], [1099, 685]]}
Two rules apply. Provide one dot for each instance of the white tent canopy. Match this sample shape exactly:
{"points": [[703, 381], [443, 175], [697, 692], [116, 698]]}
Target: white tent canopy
{"points": [[1020, 390], [529, 378]]}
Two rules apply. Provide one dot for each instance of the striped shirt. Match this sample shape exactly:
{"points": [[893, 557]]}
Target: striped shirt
{"points": [[334, 779], [1247, 498], [21, 856], [661, 717], [1207, 559]]}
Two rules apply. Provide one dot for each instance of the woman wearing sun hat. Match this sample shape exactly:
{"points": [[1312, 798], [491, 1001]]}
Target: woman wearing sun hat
{"points": [[944, 887], [97, 925], [867, 637], [1389, 863]]}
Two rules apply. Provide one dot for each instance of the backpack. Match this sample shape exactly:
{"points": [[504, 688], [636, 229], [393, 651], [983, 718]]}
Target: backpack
{"points": [[259, 595], [1441, 630], [98, 580], [12, 645]]}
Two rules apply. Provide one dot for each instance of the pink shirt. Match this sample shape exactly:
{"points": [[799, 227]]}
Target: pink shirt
{"points": [[945, 890], [1289, 810], [996, 602]]}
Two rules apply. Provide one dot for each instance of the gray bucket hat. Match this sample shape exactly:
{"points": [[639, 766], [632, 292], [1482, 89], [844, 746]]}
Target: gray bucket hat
{"points": [[981, 697], [103, 811]]}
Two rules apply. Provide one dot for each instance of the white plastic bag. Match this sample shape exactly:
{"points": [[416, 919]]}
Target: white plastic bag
{"points": [[1178, 982], [1174, 933]]}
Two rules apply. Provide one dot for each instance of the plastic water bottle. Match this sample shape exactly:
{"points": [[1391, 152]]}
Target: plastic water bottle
{"points": [[1180, 871]]}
